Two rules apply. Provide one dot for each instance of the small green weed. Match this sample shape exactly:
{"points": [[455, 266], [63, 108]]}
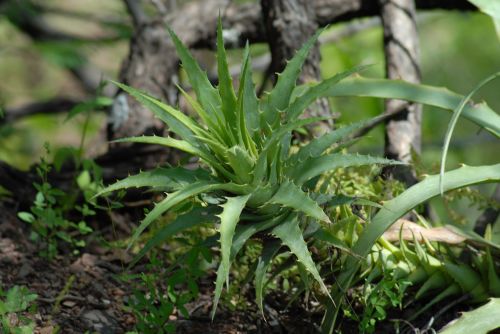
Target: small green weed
{"points": [[48, 215], [12, 303], [160, 293]]}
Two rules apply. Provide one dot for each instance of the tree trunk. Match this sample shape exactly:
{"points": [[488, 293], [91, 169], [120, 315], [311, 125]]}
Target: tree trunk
{"points": [[401, 46], [289, 24]]}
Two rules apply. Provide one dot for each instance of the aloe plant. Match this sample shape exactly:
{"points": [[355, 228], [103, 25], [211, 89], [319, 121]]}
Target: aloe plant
{"points": [[251, 181]]}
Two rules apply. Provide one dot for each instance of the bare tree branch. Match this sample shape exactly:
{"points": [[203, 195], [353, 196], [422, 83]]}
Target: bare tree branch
{"points": [[243, 22], [136, 12], [402, 53], [55, 105], [289, 24]]}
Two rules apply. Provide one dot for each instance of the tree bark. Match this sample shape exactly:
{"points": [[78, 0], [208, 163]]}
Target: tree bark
{"points": [[402, 53], [289, 24]]}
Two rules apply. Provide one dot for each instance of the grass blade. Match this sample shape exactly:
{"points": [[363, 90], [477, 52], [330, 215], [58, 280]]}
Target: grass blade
{"points": [[453, 122]]}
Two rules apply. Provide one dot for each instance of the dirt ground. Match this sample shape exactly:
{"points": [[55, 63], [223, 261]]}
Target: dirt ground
{"points": [[83, 293]]}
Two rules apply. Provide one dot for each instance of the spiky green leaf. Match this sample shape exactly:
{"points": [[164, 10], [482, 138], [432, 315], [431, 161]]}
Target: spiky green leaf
{"points": [[164, 141], [231, 211], [207, 95], [169, 178], [226, 89], [318, 146], [195, 216], [177, 122], [249, 104], [291, 196], [173, 199], [310, 168], [290, 234], [279, 98], [303, 101]]}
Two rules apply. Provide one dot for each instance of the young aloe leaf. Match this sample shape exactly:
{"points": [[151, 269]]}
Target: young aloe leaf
{"points": [[241, 163], [302, 102], [310, 168], [395, 209], [174, 199], [290, 234], [479, 321], [207, 95], [436, 280], [196, 216], [468, 280], [268, 252], [215, 127], [279, 98], [164, 141], [291, 196], [248, 102], [173, 178], [453, 122], [443, 98], [226, 89], [228, 219]]}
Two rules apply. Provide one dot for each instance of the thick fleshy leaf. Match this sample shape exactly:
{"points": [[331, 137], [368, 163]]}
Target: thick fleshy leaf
{"points": [[478, 113], [279, 98], [310, 168], [303, 101], [395, 209], [173, 178], [207, 95], [195, 216], [230, 216], [268, 252], [479, 321], [291, 196], [290, 234]]}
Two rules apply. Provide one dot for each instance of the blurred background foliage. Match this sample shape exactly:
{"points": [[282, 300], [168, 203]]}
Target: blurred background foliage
{"points": [[457, 51]]}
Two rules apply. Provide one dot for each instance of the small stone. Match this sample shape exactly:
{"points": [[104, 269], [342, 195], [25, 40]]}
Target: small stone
{"points": [[68, 303], [118, 292], [46, 330], [25, 270], [99, 321]]}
